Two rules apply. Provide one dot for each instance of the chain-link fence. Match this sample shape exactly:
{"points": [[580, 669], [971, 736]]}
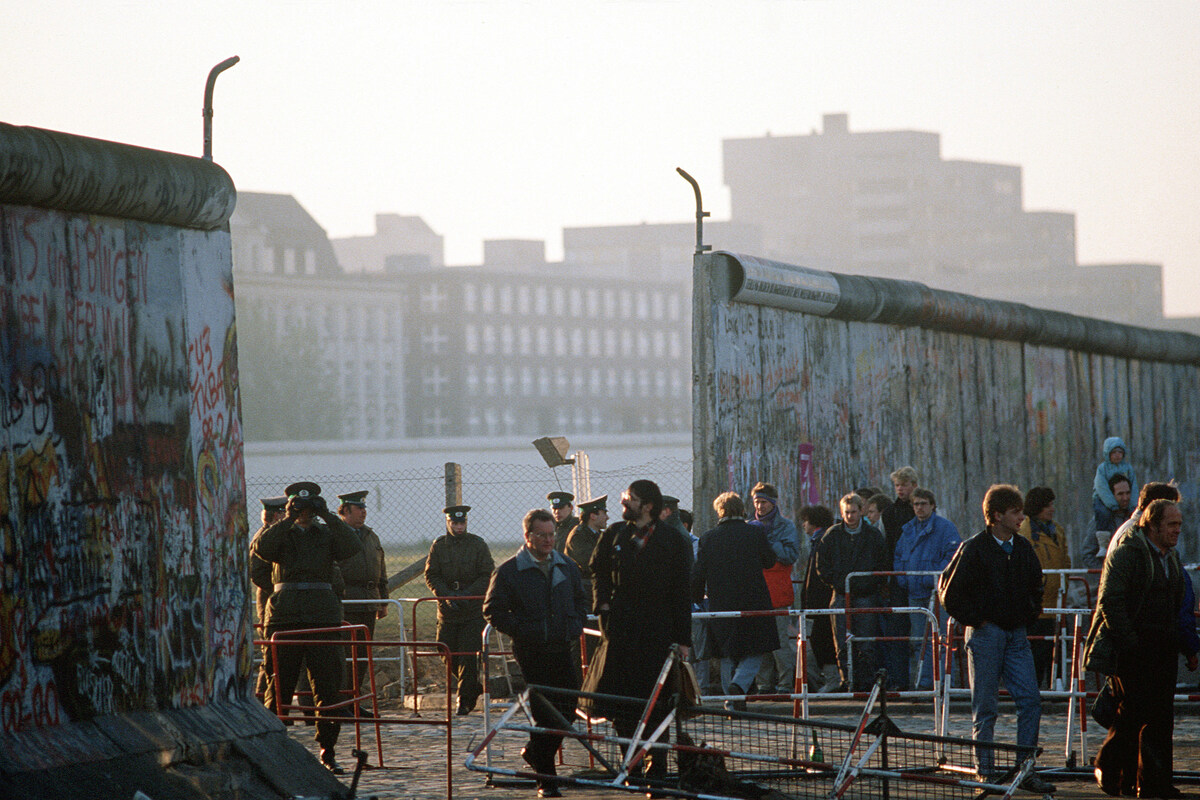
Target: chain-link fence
{"points": [[404, 507]]}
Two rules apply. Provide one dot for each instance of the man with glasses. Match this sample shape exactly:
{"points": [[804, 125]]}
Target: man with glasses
{"points": [[927, 543], [640, 585]]}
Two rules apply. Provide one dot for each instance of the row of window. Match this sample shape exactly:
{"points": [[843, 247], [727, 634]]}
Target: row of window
{"points": [[506, 422], [491, 381], [488, 298], [544, 341]]}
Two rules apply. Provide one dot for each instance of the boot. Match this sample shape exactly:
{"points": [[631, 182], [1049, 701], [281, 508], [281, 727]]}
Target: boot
{"points": [[330, 761]]}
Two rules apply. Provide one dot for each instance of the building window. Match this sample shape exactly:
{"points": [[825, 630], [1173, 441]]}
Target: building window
{"points": [[489, 381], [577, 343], [472, 379], [433, 382], [506, 340], [626, 303], [540, 300], [489, 340], [506, 299], [509, 381], [643, 344], [543, 341], [673, 344], [469, 298], [575, 299], [560, 380], [289, 261], [644, 382], [610, 303], [526, 339], [673, 307], [614, 383], [526, 381], [432, 298], [594, 386], [310, 262], [626, 343], [577, 381], [523, 300], [560, 303], [544, 382], [470, 339], [593, 302], [660, 345], [610, 342], [660, 383], [488, 299], [560, 342], [657, 305], [432, 339], [643, 305], [594, 342]]}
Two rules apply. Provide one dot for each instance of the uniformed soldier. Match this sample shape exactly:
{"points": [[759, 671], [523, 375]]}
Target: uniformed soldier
{"points": [[305, 555], [593, 516], [365, 577], [460, 565], [264, 583], [562, 507]]}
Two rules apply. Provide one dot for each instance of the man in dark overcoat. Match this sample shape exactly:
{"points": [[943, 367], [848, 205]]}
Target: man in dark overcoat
{"points": [[640, 575], [729, 565]]}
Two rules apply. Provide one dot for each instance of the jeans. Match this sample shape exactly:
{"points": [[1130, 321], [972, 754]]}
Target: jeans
{"points": [[778, 670], [994, 653], [740, 671]]}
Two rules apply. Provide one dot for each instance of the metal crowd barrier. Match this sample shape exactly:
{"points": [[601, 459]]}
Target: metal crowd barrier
{"points": [[311, 712]]}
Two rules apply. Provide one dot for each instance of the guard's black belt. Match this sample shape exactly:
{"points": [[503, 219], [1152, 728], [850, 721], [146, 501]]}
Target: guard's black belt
{"points": [[301, 585]]}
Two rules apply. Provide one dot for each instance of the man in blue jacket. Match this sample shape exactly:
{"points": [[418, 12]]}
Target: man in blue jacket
{"points": [[927, 543], [536, 598]]}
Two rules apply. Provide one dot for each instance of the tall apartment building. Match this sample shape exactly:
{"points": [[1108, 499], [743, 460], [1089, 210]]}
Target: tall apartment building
{"points": [[886, 203]]}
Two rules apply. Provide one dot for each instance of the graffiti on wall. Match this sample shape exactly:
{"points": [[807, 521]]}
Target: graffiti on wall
{"points": [[122, 509]]}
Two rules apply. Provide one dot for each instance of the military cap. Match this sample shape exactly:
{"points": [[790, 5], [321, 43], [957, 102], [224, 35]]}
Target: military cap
{"points": [[595, 504], [560, 499], [303, 489], [354, 498], [670, 502], [274, 503], [455, 513]]}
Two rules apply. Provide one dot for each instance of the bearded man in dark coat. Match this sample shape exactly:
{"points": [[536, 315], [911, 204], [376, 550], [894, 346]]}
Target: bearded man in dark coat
{"points": [[640, 573]]}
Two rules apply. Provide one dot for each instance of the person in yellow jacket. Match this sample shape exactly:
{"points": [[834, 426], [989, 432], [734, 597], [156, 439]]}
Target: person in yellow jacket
{"points": [[1049, 540]]}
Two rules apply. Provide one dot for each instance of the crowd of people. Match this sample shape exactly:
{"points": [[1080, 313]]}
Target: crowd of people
{"points": [[645, 576]]}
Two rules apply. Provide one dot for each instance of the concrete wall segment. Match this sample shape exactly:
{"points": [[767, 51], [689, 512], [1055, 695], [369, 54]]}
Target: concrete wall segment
{"points": [[823, 404], [56, 170]]}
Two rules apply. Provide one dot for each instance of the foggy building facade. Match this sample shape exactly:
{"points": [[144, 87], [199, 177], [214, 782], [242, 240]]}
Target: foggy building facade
{"points": [[886, 203]]}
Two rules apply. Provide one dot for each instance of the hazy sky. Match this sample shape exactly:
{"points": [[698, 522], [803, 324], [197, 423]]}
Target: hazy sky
{"points": [[504, 119]]}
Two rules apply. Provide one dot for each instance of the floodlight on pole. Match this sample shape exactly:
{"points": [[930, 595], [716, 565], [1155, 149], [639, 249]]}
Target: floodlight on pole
{"points": [[554, 450]]}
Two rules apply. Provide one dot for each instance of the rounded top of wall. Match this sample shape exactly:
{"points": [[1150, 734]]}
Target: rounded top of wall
{"points": [[72, 173]]}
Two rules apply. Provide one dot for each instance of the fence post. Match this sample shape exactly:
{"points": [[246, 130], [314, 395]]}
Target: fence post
{"points": [[581, 477], [453, 484]]}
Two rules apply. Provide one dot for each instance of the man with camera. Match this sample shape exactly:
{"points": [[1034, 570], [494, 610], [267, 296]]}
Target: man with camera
{"points": [[304, 554]]}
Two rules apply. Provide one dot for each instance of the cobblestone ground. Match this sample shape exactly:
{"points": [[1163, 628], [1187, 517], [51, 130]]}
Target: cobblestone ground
{"points": [[415, 755]]}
